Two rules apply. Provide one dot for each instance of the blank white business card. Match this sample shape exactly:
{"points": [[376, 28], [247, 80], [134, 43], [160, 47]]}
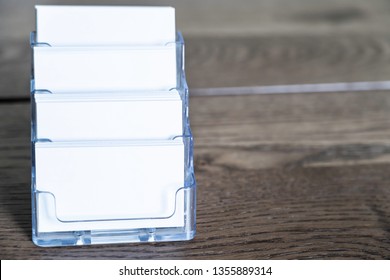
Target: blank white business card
{"points": [[95, 184], [108, 116], [102, 69], [104, 25]]}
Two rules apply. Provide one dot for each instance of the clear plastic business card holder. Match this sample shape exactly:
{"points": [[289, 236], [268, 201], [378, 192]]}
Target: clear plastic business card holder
{"points": [[113, 186]]}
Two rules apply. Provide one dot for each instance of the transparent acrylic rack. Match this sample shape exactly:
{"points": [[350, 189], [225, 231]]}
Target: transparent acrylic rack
{"points": [[113, 187]]}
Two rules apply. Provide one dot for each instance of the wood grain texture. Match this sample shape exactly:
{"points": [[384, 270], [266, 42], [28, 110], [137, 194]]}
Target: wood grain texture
{"points": [[281, 60], [279, 177], [247, 61], [244, 43]]}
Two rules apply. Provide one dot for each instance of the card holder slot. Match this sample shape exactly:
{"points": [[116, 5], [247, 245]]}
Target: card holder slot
{"points": [[49, 220], [133, 183], [108, 116], [49, 231], [106, 68], [72, 70], [104, 25]]}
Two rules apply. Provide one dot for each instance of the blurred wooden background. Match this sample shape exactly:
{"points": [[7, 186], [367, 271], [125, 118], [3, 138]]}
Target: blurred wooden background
{"points": [[281, 176]]}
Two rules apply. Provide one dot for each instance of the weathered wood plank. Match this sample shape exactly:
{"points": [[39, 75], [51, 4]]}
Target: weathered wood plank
{"points": [[229, 17], [247, 61], [279, 176], [244, 43], [290, 59]]}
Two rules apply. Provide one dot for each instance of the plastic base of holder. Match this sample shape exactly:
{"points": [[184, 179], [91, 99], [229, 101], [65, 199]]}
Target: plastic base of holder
{"points": [[90, 237], [79, 238]]}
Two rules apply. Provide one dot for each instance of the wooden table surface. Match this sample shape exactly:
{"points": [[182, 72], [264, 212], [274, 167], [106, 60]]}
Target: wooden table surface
{"points": [[280, 176]]}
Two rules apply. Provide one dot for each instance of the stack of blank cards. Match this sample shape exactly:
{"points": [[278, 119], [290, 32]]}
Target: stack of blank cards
{"points": [[112, 146]]}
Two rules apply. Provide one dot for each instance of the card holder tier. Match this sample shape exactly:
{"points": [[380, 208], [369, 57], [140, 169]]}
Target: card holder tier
{"points": [[108, 116], [130, 184], [59, 25], [99, 69]]}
